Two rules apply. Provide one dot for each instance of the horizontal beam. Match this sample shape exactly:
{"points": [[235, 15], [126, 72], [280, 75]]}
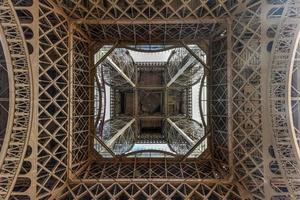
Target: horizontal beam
{"points": [[112, 140], [151, 87], [181, 132], [116, 67], [152, 180], [143, 21], [165, 41], [151, 117]]}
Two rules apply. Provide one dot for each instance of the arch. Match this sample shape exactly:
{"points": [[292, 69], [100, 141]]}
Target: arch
{"points": [[20, 121], [150, 151], [285, 142], [5, 54]]}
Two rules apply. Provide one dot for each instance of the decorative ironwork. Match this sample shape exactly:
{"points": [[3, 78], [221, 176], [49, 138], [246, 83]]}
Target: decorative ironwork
{"points": [[283, 96], [20, 87], [252, 130], [54, 122]]}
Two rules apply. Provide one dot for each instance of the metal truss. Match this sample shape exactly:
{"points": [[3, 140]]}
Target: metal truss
{"points": [[284, 96], [218, 104], [178, 141], [148, 190], [118, 69], [152, 33], [160, 22], [93, 10], [117, 62], [125, 63], [99, 102], [119, 135], [19, 119], [184, 68], [54, 100], [174, 61], [138, 170], [253, 132], [183, 135], [80, 108], [167, 177]]}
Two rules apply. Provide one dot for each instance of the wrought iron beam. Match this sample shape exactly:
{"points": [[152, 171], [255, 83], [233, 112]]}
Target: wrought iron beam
{"points": [[105, 146], [195, 146], [153, 180], [117, 68], [180, 131], [112, 140], [180, 72], [195, 55], [123, 21]]}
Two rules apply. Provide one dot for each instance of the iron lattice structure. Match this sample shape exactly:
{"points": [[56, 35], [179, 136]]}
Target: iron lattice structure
{"points": [[48, 114]]}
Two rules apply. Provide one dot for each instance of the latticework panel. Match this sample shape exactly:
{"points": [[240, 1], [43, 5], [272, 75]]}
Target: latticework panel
{"points": [[18, 127], [151, 33], [284, 99], [148, 190], [53, 100], [245, 99], [25, 187], [218, 101], [256, 120], [147, 10], [150, 21], [81, 93], [156, 170]]}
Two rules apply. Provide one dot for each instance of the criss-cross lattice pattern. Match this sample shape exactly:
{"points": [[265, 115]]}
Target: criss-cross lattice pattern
{"points": [[151, 33], [20, 88], [161, 169], [246, 99], [147, 10], [160, 191], [47, 150], [283, 95], [154, 22], [80, 93], [53, 100], [218, 107]]}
